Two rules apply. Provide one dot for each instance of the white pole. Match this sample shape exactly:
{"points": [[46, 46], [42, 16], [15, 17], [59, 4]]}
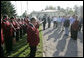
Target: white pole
{"points": [[27, 7], [16, 5], [21, 8]]}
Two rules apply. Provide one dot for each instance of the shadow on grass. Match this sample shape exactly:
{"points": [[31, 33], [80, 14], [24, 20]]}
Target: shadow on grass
{"points": [[20, 52], [19, 45]]}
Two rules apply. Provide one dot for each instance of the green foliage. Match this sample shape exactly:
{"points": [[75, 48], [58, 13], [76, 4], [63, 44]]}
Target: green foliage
{"points": [[50, 8], [7, 8], [58, 7], [24, 14]]}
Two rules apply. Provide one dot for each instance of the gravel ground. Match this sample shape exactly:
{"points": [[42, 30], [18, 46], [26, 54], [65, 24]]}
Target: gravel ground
{"points": [[56, 44]]}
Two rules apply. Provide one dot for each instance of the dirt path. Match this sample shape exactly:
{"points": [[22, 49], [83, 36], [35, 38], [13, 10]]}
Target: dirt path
{"points": [[56, 44]]}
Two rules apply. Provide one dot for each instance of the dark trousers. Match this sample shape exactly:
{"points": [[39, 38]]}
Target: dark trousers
{"points": [[24, 30], [8, 43], [48, 24], [17, 35], [55, 24], [79, 27], [2, 52], [44, 26], [74, 34], [33, 51], [20, 33]]}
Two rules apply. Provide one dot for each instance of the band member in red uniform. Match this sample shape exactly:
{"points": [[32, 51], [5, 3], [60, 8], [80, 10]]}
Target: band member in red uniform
{"points": [[22, 26], [17, 30], [14, 31], [2, 40], [20, 22], [32, 36], [8, 33], [26, 22]]}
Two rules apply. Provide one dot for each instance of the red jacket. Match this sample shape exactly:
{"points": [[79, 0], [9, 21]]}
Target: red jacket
{"points": [[75, 25], [2, 39], [8, 29], [18, 25], [32, 35], [37, 26], [14, 24]]}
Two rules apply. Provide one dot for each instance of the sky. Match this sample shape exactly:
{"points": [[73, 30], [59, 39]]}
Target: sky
{"points": [[39, 5]]}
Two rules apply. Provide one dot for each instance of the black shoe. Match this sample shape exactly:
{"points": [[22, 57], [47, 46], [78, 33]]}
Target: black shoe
{"points": [[74, 39], [43, 29], [65, 34], [13, 50], [8, 53]]}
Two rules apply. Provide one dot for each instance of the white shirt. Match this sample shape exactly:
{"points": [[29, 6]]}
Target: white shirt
{"points": [[54, 19], [71, 20]]}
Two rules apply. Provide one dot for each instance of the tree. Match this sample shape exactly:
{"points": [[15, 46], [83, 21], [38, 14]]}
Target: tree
{"points": [[62, 10], [70, 12], [58, 7], [24, 14], [81, 11], [76, 9], [7, 8], [50, 8]]}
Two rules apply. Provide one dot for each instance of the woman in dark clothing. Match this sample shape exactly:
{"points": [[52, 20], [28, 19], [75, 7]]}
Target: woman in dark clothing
{"points": [[74, 29]]}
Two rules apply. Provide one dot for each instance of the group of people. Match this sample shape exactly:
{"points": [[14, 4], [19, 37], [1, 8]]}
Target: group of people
{"points": [[46, 19], [68, 24], [12, 30]]}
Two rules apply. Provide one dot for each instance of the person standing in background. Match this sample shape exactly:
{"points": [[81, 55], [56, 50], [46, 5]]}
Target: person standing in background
{"points": [[66, 25], [44, 21], [49, 21], [63, 19], [80, 23], [74, 28], [55, 22]]}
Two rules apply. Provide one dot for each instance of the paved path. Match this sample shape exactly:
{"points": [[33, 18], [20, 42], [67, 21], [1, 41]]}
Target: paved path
{"points": [[56, 44]]}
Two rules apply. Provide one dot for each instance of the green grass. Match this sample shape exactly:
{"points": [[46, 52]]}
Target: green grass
{"points": [[40, 46], [22, 49]]}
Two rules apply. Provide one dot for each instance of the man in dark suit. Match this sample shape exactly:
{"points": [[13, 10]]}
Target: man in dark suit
{"points": [[44, 21], [8, 29], [49, 22]]}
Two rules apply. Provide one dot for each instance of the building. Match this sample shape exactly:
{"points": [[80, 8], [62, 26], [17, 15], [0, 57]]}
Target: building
{"points": [[50, 13]]}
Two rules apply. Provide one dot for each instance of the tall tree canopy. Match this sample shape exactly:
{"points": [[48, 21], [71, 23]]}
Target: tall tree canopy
{"points": [[7, 8], [50, 8]]}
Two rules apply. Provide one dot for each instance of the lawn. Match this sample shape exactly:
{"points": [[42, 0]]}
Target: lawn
{"points": [[22, 49]]}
